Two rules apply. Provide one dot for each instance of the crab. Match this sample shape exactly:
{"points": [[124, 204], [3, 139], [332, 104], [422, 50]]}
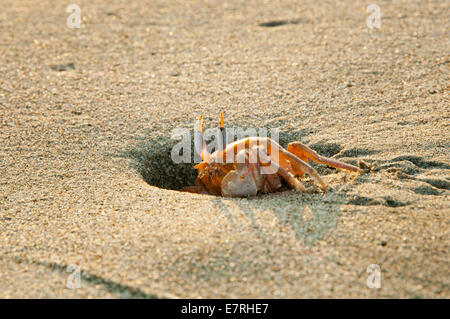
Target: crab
{"points": [[255, 165]]}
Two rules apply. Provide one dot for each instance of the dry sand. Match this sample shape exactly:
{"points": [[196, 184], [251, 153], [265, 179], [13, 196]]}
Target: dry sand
{"points": [[84, 153]]}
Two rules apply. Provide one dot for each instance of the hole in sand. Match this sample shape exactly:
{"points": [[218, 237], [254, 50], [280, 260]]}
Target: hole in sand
{"points": [[277, 23], [153, 161]]}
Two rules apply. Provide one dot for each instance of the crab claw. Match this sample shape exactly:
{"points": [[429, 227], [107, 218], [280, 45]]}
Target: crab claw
{"points": [[239, 184], [245, 180]]}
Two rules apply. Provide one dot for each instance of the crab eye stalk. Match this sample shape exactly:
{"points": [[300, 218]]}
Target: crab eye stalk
{"points": [[222, 138], [199, 141]]}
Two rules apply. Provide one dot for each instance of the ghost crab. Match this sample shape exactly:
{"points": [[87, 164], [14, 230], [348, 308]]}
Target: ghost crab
{"points": [[255, 164]]}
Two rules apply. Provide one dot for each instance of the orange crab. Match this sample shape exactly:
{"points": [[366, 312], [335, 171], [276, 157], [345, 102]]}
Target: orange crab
{"points": [[255, 164]]}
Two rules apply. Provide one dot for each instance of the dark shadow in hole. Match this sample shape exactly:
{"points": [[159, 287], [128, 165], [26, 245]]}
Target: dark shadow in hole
{"points": [[277, 23], [152, 159], [390, 202], [363, 201], [62, 67]]}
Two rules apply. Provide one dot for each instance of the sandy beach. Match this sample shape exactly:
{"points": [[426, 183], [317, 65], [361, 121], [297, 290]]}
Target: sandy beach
{"points": [[87, 181]]}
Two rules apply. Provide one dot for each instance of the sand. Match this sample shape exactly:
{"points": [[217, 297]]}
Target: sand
{"points": [[86, 178]]}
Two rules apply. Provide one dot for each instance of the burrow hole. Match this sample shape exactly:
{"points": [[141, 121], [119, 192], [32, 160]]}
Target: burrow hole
{"points": [[153, 160]]}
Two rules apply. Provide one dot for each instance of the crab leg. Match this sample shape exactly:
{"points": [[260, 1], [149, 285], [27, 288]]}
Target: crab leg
{"points": [[305, 153], [286, 164], [265, 161], [289, 163], [299, 166]]}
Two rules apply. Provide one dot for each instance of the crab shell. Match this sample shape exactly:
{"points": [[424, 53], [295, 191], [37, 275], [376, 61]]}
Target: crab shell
{"points": [[237, 179]]}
